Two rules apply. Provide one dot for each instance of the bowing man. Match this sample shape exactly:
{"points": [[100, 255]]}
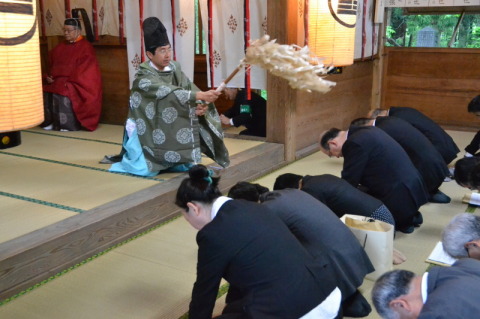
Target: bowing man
{"points": [[249, 246], [322, 234], [375, 161]]}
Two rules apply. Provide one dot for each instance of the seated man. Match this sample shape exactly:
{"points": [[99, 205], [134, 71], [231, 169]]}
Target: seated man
{"points": [[166, 129], [73, 86], [461, 237], [250, 113], [421, 151], [439, 138], [472, 148], [372, 159], [322, 234], [443, 292], [337, 194]]}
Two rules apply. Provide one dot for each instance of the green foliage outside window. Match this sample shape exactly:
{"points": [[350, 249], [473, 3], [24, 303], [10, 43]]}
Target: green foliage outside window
{"points": [[404, 30]]}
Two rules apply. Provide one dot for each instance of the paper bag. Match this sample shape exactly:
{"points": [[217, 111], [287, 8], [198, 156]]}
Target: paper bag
{"points": [[376, 237]]}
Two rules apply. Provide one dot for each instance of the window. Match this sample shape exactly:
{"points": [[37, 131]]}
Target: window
{"points": [[432, 30]]}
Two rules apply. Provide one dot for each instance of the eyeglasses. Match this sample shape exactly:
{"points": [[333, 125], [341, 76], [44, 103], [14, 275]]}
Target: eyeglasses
{"points": [[164, 51]]}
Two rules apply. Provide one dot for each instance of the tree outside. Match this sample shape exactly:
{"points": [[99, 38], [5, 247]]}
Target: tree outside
{"points": [[412, 30]]}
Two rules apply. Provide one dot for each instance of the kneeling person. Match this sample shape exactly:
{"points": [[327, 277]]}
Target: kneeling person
{"points": [[341, 197], [322, 234], [249, 246]]}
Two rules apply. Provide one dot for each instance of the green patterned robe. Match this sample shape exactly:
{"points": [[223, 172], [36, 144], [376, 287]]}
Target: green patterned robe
{"points": [[162, 104]]}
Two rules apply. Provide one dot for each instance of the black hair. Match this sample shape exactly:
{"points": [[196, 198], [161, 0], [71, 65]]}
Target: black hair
{"points": [[247, 191], [463, 170], [475, 177], [330, 134], [374, 113], [474, 105], [287, 180], [361, 121], [200, 186]]}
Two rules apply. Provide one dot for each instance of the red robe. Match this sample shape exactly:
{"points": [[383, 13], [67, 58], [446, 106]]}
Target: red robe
{"points": [[76, 74]]}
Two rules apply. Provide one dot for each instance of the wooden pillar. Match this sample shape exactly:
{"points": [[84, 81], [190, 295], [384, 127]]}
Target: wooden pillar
{"points": [[378, 68], [281, 105]]}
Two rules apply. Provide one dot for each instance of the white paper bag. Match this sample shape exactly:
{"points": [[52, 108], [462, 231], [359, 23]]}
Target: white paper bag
{"points": [[376, 237]]}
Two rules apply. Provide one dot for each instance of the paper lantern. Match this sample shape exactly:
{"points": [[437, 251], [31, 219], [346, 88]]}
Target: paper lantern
{"points": [[21, 101], [331, 30]]}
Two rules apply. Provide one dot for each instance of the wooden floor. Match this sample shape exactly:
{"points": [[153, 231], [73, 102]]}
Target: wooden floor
{"points": [[150, 276]]}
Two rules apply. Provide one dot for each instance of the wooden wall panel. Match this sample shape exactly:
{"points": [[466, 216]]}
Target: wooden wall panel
{"points": [[349, 99], [296, 118], [439, 82], [115, 83]]}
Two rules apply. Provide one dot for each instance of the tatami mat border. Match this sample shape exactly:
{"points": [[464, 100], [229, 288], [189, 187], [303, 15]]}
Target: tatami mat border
{"points": [[81, 166], [73, 137], [470, 209], [41, 202]]}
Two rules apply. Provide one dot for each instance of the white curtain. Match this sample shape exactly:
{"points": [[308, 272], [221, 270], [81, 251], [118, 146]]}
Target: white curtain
{"points": [[184, 31], [107, 17], [84, 4], [133, 35], [54, 17], [228, 47], [258, 28], [366, 32]]}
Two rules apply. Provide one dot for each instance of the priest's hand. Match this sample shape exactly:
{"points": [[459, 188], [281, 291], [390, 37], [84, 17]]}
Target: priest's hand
{"points": [[208, 96], [201, 109]]}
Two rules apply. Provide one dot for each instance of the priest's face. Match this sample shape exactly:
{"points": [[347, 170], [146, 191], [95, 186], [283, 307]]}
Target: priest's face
{"points": [[162, 56], [71, 33]]}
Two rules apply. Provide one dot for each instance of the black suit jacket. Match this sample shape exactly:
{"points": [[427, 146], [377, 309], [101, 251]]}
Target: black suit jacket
{"points": [[375, 160], [474, 145], [255, 252], [439, 138], [321, 232], [341, 197], [428, 161], [256, 122], [453, 291]]}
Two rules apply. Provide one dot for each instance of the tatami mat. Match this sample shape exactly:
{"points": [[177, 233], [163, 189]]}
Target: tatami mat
{"points": [[152, 276], [19, 217], [53, 171]]}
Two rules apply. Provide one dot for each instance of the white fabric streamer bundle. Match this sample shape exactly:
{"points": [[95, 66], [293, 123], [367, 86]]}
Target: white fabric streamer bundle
{"points": [[290, 62]]}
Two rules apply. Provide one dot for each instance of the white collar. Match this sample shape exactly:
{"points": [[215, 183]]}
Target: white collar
{"points": [[217, 204], [165, 69], [424, 287]]}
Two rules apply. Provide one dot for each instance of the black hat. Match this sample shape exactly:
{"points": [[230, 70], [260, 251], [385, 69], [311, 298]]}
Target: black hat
{"points": [[73, 22], [154, 33]]}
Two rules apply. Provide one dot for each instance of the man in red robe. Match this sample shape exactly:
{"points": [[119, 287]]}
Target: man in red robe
{"points": [[73, 87]]}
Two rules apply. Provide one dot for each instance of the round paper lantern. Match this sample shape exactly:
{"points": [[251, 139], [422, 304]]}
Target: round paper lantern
{"points": [[331, 30], [21, 101]]}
